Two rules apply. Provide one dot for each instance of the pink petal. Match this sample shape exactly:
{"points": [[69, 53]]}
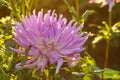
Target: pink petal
{"points": [[59, 64]]}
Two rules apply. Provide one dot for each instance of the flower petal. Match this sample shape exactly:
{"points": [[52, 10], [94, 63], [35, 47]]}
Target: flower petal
{"points": [[59, 64]]}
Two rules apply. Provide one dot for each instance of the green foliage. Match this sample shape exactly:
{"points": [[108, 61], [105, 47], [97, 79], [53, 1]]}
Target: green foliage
{"points": [[107, 73], [17, 7], [115, 34], [110, 74], [3, 2], [3, 74], [71, 10], [86, 14], [87, 64], [79, 19], [87, 67], [105, 32], [89, 70]]}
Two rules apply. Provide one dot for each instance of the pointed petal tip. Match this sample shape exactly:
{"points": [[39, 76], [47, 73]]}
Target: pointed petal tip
{"points": [[17, 50], [89, 34], [82, 25], [59, 64], [42, 9], [34, 12]]}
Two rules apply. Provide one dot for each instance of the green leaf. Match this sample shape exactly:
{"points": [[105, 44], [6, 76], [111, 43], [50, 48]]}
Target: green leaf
{"points": [[97, 39], [116, 24], [104, 32], [87, 67], [26, 54], [24, 59], [3, 2], [86, 14], [115, 27], [3, 75], [107, 28], [109, 74], [71, 8], [87, 77], [89, 60], [95, 25]]}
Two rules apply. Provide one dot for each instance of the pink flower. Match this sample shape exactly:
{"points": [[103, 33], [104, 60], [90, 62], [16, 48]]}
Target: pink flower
{"points": [[103, 3], [51, 38]]}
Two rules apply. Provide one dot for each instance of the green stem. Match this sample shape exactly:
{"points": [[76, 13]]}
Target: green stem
{"points": [[25, 58], [106, 53], [108, 41], [77, 7], [110, 19], [31, 5], [23, 7], [47, 74]]}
